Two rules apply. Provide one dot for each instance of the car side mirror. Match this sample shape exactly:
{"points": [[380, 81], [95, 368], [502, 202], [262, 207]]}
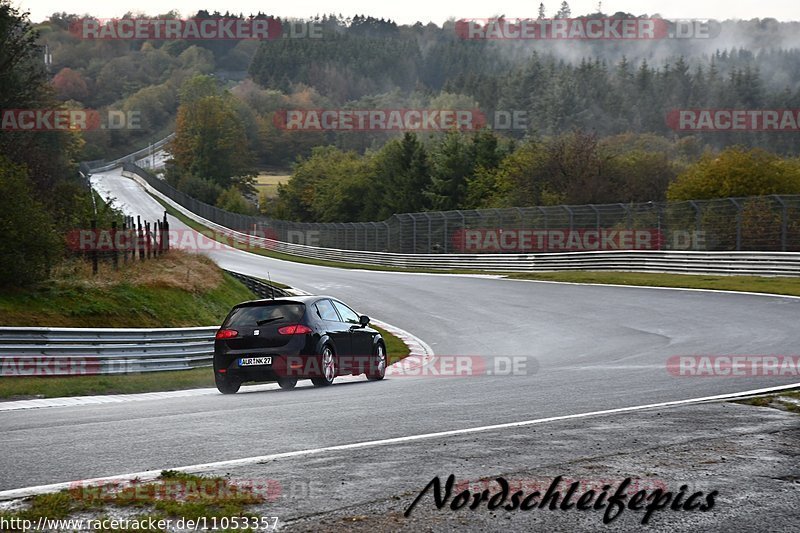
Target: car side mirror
{"points": [[363, 320]]}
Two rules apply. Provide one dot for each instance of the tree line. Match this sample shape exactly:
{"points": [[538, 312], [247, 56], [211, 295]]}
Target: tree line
{"points": [[483, 170], [607, 87], [42, 195]]}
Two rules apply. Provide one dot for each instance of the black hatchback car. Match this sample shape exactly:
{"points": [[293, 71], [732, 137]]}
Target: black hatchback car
{"points": [[291, 338]]}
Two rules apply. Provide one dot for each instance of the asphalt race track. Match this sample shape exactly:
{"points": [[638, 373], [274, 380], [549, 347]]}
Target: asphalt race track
{"points": [[588, 347]]}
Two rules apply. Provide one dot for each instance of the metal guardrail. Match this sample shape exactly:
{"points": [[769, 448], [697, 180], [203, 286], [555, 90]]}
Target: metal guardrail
{"points": [[260, 288], [690, 262], [34, 351], [91, 167]]}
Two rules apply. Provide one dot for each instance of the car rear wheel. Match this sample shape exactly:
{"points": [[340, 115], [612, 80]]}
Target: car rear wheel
{"points": [[287, 383], [377, 365], [327, 367], [227, 385]]}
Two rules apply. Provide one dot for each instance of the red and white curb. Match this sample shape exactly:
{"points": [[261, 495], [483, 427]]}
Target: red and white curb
{"points": [[420, 353]]}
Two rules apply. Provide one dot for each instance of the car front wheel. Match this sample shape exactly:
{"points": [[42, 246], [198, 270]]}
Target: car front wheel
{"points": [[377, 365], [327, 368]]}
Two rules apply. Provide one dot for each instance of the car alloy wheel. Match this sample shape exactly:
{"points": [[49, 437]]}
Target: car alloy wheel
{"points": [[328, 368], [377, 367]]}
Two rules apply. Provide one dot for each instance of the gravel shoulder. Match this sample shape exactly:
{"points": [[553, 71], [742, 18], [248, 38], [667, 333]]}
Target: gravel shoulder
{"points": [[749, 454]]}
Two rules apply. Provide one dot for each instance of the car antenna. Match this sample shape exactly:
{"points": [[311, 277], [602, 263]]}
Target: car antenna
{"points": [[271, 286]]}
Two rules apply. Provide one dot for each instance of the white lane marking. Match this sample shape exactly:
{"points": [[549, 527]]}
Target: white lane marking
{"points": [[232, 463], [419, 352]]}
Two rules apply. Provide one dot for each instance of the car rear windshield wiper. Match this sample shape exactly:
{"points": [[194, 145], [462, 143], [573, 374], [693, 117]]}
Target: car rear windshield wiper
{"points": [[267, 320]]}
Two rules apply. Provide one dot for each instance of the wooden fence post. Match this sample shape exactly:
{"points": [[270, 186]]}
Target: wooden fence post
{"points": [[140, 238], [94, 248], [114, 257]]}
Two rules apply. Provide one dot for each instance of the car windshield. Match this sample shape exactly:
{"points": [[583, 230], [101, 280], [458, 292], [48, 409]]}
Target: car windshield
{"points": [[257, 315]]}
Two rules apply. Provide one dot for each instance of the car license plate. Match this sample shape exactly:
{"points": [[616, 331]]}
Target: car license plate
{"points": [[255, 361]]}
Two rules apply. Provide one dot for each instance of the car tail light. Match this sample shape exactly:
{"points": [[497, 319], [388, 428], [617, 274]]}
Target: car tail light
{"points": [[227, 333], [294, 329]]}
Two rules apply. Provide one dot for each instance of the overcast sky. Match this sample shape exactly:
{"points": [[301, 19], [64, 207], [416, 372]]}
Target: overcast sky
{"points": [[409, 11]]}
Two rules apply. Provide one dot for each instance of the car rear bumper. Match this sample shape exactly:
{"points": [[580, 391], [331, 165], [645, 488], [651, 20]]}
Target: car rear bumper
{"points": [[288, 366]]}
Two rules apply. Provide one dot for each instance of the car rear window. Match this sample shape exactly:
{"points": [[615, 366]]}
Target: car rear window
{"points": [[259, 315]]}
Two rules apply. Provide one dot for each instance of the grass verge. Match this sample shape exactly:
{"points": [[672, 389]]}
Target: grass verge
{"points": [[778, 285], [176, 290], [15, 388], [787, 401], [173, 496], [768, 285]]}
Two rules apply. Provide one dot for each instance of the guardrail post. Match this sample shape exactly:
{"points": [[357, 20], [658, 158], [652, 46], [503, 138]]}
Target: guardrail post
{"points": [[698, 216], [546, 222], [738, 224], [596, 217], [784, 221], [445, 237], [414, 234], [571, 217], [521, 216], [430, 230]]}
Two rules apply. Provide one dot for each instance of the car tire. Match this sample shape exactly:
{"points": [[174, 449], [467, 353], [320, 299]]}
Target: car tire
{"points": [[226, 385], [287, 383], [327, 367], [377, 364]]}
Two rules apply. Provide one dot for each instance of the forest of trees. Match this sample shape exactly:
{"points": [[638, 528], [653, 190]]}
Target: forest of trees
{"points": [[42, 196], [595, 131], [482, 170]]}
